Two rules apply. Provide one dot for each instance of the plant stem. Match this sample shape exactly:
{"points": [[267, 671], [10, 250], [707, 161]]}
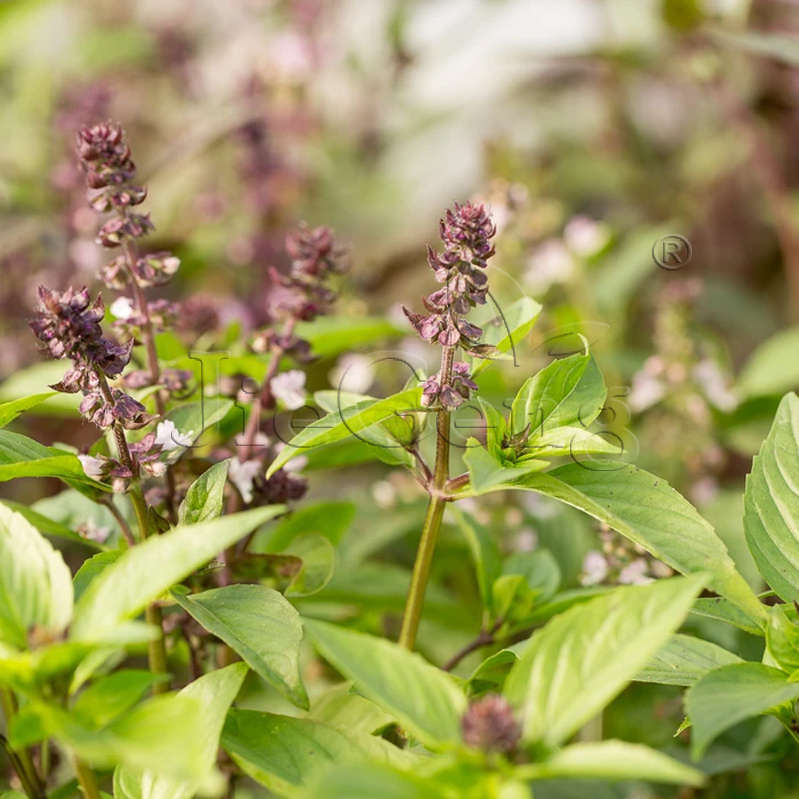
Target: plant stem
{"points": [[121, 521], [432, 521], [156, 649], [86, 778], [20, 758], [148, 337]]}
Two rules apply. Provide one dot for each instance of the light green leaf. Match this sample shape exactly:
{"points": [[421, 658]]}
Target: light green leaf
{"points": [[486, 473], [37, 379], [216, 692], [331, 335], [516, 322], [424, 700], [21, 456], [261, 626], [330, 519], [485, 553], [283, 753], [723, 610], [340, 706], [35, 583], [684, 660], [348, 422], [648, 511], [48, 526], [90, 568], [731, 694], [782, 638], [368, 781], [205, 496], [318, 564], [194, 418], [162, 734], [614, 760], [568, 392], [772, 367], [771, 503], [581, 660], [148, 570], [109, 697], [575, 441], [10, 410]]}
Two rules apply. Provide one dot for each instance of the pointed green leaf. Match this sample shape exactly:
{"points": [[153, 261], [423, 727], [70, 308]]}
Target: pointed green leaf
{"points": [[216, 692], [345, 423], [580, 661], [261, 626], [648, 511], [615, 760], [424, 700], [283, 753], [35, 583], [731, 694], [771, 503], [515, 323], [205, 496], [684, 660], [485, 553], [148, 570], [10, 410]]}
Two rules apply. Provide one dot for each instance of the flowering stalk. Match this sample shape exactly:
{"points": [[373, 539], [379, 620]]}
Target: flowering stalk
{"points": [[106, 159], [68, 326], [466, 233], [300, 296]]}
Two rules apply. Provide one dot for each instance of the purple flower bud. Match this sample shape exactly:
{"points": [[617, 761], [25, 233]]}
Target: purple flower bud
{"points": [[489, 725]]}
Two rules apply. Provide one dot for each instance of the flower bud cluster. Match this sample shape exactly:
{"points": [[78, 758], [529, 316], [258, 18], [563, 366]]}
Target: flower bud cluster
{"points": [[144, 456], [489, 725], [466, 233], [68, 325]]}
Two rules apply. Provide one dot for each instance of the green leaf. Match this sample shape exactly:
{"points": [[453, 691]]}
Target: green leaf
{"points": [[161, 734], [772, 367], [575, 441], [485, 554], [424, 700], [581, 660], [261, 626], [318, 563], [731, 694], [35, 583], [37, 379], [331, 335], [614, 760], [109, 697], [684, 660], [21, 456], [48, 526], [330, 519], [148, 570], [205, 496], [95, 565], [194, 418], [486, 473], [724, 610], [340, 706], [516, 322], [568, 392], [216, 692], [771, 503], [368, 781], [283, 753], [348, 422], [648, 511], [782, 638], [10, 410]]}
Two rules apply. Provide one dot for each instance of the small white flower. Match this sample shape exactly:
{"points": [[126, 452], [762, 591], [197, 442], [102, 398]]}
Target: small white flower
{"points": [[242, 476], [353, 373], [92, 532], [646, 391], [551, 263], [168, 437], [585, 236], [717, 388], [526, 540], [384, 494], [595, 568], [635, 573], [93, 467], [289, 388], [122, 308]]}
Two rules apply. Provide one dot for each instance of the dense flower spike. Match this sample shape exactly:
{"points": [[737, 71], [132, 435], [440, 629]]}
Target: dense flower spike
{"points": [[466, 232], [489, 725]]}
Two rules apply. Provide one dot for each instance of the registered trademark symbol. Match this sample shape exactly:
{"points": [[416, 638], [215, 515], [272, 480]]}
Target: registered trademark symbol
{"points": [[672, 252]]}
